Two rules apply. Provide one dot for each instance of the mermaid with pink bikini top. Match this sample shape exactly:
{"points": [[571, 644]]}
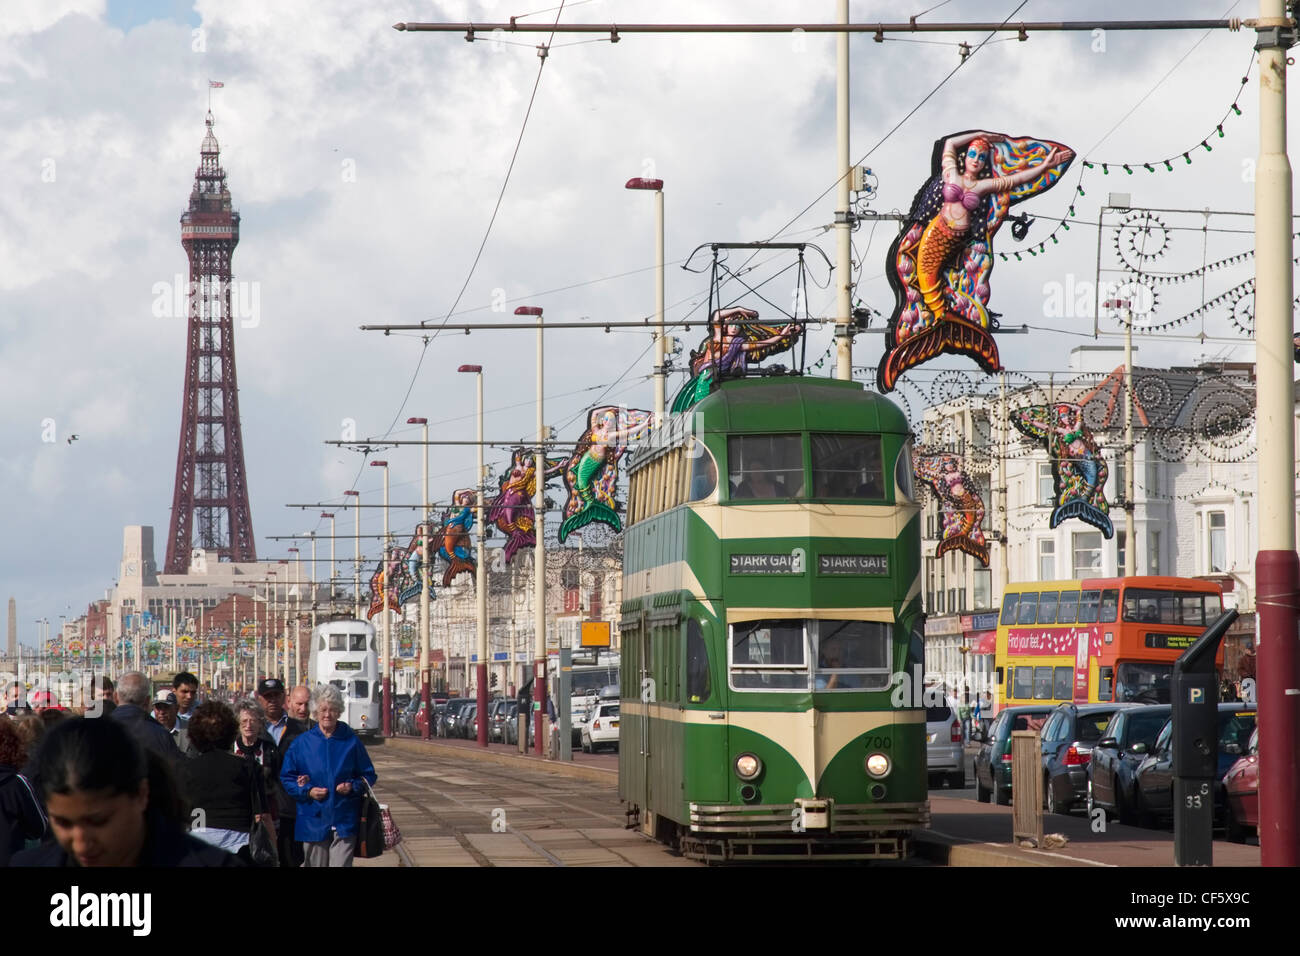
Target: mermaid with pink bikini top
{"points": [[954, 192]]}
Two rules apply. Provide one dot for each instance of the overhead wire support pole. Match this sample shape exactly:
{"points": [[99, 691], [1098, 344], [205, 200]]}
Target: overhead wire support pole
{"points": [[1277, 568], [843, 212]]}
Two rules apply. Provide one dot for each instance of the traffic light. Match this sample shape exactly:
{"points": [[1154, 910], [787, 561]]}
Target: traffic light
{"points": [[492, 682]]}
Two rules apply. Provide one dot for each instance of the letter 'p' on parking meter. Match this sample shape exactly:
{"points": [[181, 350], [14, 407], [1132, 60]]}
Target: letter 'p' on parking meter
{"points": [[1194, 696]]}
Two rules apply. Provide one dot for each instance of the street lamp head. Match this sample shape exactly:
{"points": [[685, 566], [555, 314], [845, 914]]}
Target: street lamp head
{"points": [[639, 183], [293, 550], [379, 464], [529, 310], [356, 494], [470, 368], [417, 421], [326, 514]]}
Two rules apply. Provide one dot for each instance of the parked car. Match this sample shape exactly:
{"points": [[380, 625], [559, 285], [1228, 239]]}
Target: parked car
{"points": [[406, 717], [601, 727], [993, 761], [466, 726], [1124, 744], [1241, 792], [501, 711], [449, 725], [945, 753], [1067, 743], [1154, 778]]}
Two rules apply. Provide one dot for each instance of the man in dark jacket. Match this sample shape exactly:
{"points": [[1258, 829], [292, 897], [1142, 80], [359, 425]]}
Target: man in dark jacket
{"points": [[281, 729], [132, 711]]}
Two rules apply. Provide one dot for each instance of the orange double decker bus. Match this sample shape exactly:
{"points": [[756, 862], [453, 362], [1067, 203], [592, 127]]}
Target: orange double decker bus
{"points": [[1099, 639]]}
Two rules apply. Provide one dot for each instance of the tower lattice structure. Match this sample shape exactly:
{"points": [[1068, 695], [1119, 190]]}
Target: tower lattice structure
{"points": [[210, 501]]}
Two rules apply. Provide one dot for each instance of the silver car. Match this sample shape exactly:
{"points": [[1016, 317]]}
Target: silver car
{"points": [[944, 745]]}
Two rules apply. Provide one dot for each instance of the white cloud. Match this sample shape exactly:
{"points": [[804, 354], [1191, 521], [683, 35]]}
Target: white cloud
{"points": [[366, 164]]}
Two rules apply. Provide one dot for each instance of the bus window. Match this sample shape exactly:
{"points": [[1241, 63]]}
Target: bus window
{"points": [[338, 642], [1024, 683], [1062, 683], [360, 689], [1088, 601], [1028, 611], [1104, 677], [1067, 611], [1009, 609], [1047, 607], [1042, 683], [1213, 606], [1109, 605], [1193, 610], [339, 684]]}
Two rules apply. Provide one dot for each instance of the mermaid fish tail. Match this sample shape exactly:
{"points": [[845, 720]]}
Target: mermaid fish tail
{"points": [[966, 543], [1084, 511], [947, 335], [457, 566], [591, 512]]}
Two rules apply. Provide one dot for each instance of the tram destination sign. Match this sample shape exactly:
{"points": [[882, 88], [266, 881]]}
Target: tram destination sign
{"points": [[792, 562], [853, 564]]}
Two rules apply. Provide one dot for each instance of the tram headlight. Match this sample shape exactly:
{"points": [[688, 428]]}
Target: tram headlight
{"points": [[878, 765], [748, 766]]}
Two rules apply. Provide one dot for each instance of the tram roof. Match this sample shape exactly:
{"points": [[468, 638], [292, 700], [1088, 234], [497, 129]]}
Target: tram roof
{"points": [[798, 403]]}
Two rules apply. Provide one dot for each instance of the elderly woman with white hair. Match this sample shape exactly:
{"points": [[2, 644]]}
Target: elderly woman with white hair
{"points": [[325, 771]]}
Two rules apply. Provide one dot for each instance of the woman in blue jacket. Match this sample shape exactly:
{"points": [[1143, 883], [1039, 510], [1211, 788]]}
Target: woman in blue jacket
{"points": [[323, 771]]}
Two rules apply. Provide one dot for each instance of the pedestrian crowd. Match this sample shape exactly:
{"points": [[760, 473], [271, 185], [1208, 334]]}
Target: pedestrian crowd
{"points": [[144, 778]]}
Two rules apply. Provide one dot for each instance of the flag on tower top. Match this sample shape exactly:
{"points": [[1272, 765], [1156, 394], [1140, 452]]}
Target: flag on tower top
{"points": [[215, 84]]}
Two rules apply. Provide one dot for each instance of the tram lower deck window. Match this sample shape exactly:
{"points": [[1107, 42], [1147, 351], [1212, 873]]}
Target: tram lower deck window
{"points": [[775, 654]]}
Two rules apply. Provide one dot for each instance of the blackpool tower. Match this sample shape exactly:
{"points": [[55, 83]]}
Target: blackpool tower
{"points": [[210, 501]]}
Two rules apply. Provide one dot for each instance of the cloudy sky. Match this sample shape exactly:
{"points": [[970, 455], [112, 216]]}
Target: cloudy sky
{"points": [[366, 165]]}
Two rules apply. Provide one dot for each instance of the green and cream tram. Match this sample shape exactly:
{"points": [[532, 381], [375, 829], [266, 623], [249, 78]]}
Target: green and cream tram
{"points": [[771, 595]]}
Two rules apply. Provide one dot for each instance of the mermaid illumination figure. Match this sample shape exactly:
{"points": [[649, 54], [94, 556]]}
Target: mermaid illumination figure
{"points": [[939, 266]]}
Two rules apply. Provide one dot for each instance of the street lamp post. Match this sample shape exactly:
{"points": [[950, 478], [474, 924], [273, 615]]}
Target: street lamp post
{"points": [[480, 573], [425, 578], [539, 559], [356, 583], [657, 186], [327, 514], [387, 699], [297, 608]]}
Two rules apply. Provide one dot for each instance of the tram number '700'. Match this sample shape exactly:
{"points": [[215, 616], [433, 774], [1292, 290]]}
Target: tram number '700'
{"points": [[882, 743]]}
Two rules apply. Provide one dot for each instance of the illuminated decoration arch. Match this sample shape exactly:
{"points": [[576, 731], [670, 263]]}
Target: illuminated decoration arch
{"points": [[939, 265], [1078, 469], [961, 507], [452, 540]]}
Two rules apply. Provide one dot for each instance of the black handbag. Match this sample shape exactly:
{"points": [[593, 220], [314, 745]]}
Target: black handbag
{"points": [[261, 840], [370, 827]]}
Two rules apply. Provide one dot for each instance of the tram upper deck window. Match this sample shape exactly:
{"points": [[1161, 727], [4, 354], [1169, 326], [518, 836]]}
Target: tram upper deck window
{"points": [[848, 466], [765, 466], [357, 642], [851, 655], [704, 472], [768, 655], [338, 642]]}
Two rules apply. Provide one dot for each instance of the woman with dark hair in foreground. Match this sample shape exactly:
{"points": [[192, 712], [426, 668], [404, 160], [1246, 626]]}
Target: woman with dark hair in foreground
{"points": [[110, 804]]}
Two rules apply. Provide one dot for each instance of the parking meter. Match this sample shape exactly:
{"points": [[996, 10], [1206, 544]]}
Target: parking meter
{"points": [[1194, 696]]}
